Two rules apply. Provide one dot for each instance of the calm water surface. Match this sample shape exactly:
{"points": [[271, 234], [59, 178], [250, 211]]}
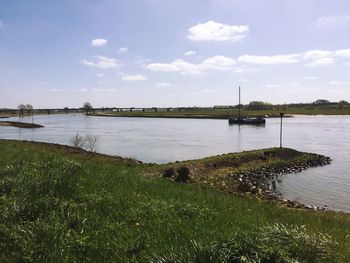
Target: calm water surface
{"points": [[167, 140]]}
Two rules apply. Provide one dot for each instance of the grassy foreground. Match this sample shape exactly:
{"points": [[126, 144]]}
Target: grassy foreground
{"points": [[59, 204]]}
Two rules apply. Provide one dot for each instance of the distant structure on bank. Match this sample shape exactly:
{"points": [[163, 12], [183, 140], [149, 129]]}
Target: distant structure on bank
{"points": [[224, 106]]}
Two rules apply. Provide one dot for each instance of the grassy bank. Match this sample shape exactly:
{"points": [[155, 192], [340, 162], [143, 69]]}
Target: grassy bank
{"points": [[64, 204], [18, 124]]}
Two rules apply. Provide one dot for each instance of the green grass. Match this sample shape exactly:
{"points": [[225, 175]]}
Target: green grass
{"points": [[61, 205]]}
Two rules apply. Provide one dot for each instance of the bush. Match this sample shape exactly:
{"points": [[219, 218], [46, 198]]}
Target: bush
{"points": [[77, 141], [167, 173], [89, 142], [182, 174]]}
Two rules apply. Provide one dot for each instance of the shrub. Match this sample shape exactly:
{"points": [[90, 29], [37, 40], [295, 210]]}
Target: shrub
{"points": [[91, 143], [167, 173], [77, 141], [182, 174]]}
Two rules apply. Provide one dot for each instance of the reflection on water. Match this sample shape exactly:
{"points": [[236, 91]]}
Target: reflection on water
{"points": [[167, 140]]}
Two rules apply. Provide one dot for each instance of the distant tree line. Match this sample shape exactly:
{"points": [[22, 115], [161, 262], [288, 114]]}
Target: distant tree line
{"points": [[260, 105]]}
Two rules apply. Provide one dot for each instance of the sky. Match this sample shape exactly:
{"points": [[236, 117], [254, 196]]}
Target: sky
{"points": [[145, 53]]}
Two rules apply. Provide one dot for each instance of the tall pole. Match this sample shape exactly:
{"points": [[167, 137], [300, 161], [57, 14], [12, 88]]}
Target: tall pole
{"points": [[239, 102], [281, 114]]}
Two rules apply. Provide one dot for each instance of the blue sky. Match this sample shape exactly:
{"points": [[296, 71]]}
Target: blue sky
{"points": [[172, 53]]}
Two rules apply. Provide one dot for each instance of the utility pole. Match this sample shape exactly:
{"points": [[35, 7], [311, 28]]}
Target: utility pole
{"points": [[281, 114], [239, 102]]}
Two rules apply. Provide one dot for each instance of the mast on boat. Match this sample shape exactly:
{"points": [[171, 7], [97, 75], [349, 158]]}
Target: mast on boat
{"points": [[239, 102], [246, 120]]}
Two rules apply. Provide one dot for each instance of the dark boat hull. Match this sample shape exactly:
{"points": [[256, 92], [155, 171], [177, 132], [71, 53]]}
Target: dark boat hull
{"points": [[251, 121]]}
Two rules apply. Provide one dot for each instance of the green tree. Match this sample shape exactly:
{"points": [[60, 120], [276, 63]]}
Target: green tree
{"points": [[21, 109], [259, 105], [321, 102], [87, 107], [29, 109]]}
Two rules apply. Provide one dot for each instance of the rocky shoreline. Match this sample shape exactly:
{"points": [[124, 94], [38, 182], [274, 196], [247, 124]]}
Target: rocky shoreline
{"points": [[249, 174], [262, 182]]}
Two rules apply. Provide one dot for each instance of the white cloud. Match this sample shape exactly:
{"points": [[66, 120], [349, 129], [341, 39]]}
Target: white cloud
{"points": [[139, 60], [279, 85], [95, 89], [311, 78], [56, 90], [332, 21], [101, 62], [164, 84], [205, 90], [337, 83], [219, 63], [347, 64], [243, 69], [272, 85], [320, 62], [345, 53], [269, 60], [315, 57], [319, 57], [1, 24], [179, 65], [293, 84], [137, 77], [104, 90], [311, 58], [213, 31], [317, 54], [123, 50], [190, 53], [100, 75], [99, 42]]}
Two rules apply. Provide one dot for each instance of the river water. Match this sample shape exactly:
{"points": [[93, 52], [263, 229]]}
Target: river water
{"points": [[167, 140]]}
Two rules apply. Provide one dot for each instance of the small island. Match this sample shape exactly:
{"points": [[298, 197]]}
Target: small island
{"points": [[18, 124]]}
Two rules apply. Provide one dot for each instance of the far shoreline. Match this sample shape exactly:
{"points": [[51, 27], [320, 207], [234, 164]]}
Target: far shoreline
{"points": [[199, 116]]}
